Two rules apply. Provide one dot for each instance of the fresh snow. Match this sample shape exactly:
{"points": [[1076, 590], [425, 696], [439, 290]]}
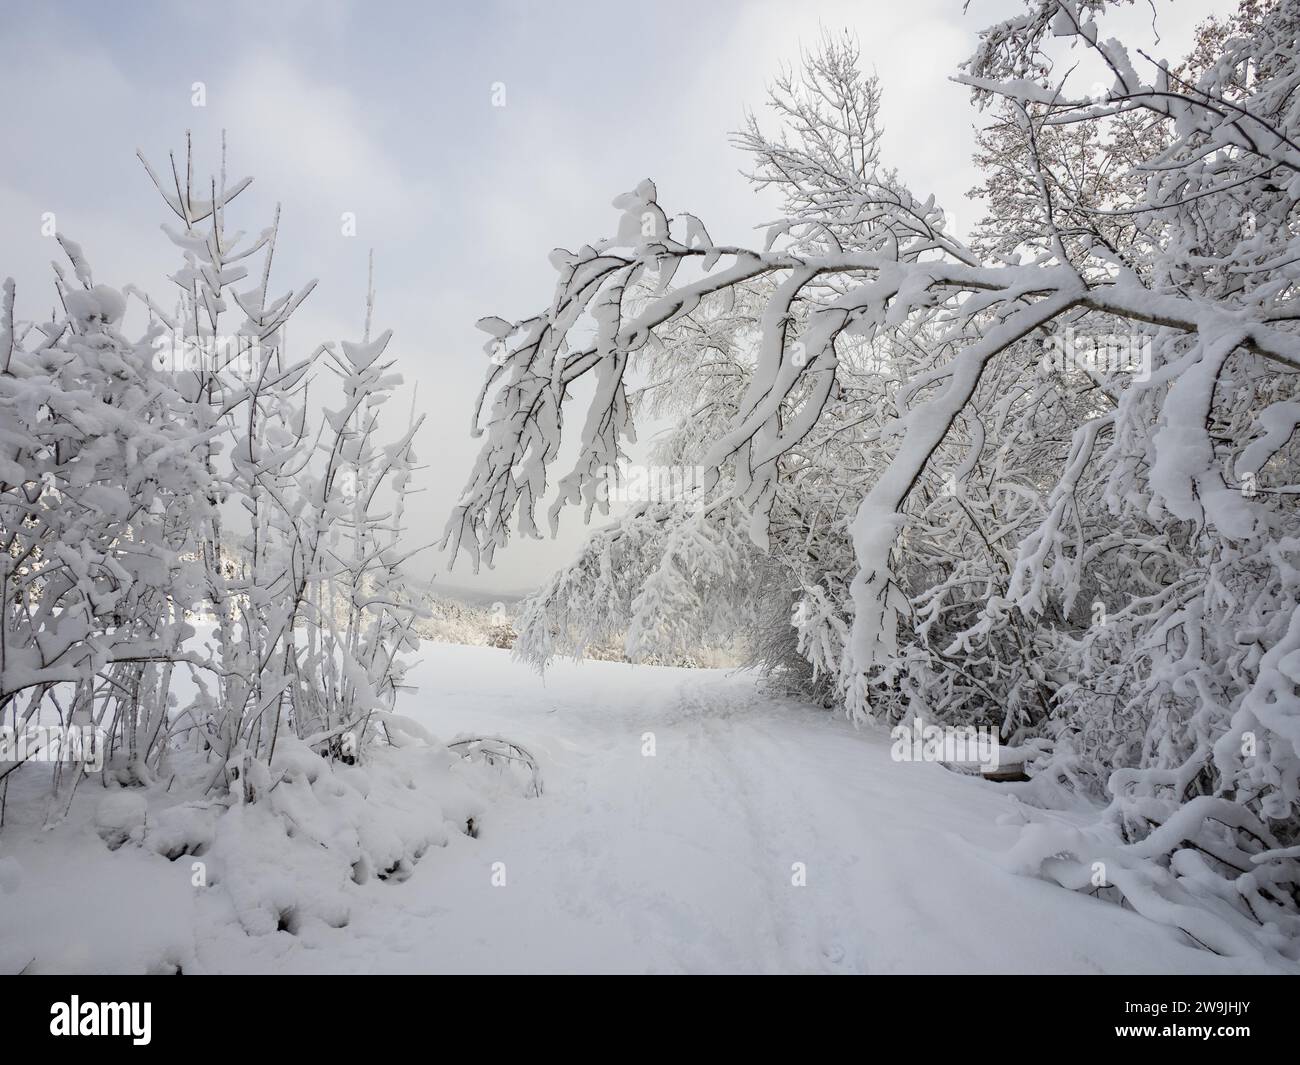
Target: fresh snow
{"points": [[682, 861]]}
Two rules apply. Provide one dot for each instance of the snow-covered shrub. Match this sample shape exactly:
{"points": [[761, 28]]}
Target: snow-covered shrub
{"points": [[147, 483], [97, 488]]}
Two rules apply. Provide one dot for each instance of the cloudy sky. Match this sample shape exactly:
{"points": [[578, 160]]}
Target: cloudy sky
{"points": [[385, 110]]}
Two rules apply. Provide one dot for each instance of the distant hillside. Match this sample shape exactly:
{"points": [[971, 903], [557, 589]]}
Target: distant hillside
{"points": [[479, 597]]}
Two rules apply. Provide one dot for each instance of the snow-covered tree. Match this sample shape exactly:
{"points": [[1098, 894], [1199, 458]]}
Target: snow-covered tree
{"points": [[1043, 478]]}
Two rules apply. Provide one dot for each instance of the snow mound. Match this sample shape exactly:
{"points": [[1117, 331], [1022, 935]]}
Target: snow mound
{"points": [[120, 817], [292, 861], [216, 877]]}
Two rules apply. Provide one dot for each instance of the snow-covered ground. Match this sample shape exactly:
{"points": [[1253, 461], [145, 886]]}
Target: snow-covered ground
{"points": [[680, 861]]}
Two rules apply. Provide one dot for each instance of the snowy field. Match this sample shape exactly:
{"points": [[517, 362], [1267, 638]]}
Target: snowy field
{"points": [[682, 861]]}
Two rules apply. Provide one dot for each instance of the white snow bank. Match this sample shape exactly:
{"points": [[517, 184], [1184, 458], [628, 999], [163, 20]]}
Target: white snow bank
{"points": [[136, 881]]}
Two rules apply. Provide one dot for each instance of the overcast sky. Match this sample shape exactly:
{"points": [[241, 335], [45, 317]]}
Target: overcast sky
{"points": [[386, 110]]}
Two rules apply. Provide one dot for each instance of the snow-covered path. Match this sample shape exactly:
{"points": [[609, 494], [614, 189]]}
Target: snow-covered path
{"points": [[680, 861], [683, 861]]}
